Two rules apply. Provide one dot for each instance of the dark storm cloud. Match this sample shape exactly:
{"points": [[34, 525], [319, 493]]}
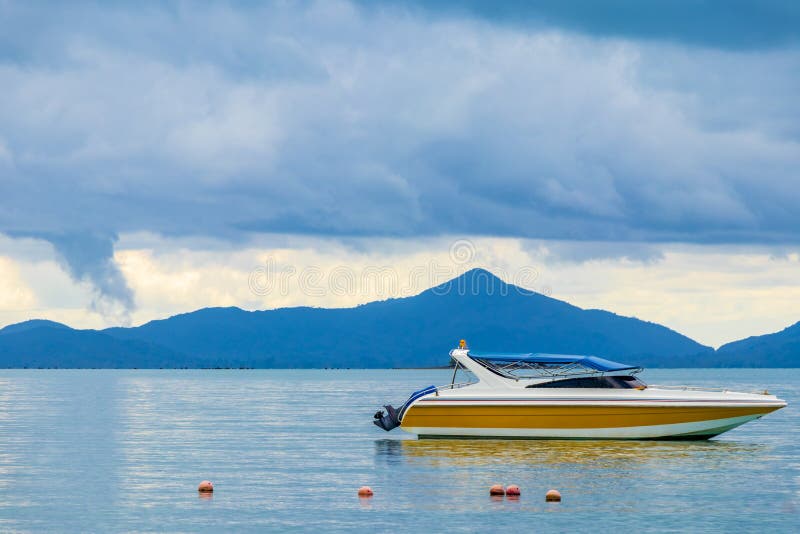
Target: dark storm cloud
{"points": [[733, 24], [326, 118], [88, 256]]}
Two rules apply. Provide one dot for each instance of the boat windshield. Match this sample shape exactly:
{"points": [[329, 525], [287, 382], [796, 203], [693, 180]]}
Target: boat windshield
{"points": [[461, 377], [594, 382], [529, 366]]}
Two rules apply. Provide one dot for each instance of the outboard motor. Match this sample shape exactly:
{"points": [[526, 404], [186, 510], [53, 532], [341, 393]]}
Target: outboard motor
{"points": [[393, 417], [387, 421]]}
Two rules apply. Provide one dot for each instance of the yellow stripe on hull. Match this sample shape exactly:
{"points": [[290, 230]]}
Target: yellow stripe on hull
{"points": [[421, 416]]}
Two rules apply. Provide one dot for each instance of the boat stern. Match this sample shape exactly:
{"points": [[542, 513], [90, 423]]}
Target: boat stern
{"points": [[393, 417]]}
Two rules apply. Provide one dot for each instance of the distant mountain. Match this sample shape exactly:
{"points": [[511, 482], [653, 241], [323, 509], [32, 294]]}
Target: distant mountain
{"points": [[49, 344], [407, 332], [416, 331], [30, 325], [781, 349]]}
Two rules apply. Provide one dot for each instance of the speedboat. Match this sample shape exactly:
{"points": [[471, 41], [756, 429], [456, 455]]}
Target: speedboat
{"points": [[558, 396]]}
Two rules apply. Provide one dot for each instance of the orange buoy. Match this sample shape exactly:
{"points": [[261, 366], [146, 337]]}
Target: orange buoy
{"points": [[205, 487], [497, 489], [553, 496], [365, 491], [512, 490]]}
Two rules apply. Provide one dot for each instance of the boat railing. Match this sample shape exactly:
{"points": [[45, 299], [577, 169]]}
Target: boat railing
{"points": [[700, 388], [456, 386]]}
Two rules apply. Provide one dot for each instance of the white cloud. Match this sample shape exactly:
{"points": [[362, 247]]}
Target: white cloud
{"points": [[14, 294], [6, 157]]}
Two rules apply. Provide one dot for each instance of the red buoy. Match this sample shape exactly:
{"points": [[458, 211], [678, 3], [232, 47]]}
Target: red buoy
{"points": [[497, 489], [365, 491], [553, 496], [513, 490], [205, 487]]}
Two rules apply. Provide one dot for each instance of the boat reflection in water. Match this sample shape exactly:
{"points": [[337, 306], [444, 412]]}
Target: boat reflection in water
{"points": [[596, 453], [624, 476]]}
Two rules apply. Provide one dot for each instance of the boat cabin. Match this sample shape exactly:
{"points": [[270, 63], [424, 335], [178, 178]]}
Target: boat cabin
{"points": [[540, 370]]}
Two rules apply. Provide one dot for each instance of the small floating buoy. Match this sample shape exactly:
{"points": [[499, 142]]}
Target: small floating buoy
{"points": [[497, 489], [513, 490], [553, 496], [205, 487], [365, 491]]}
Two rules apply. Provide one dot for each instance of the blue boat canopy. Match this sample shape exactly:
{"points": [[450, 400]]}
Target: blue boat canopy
{"points": [[593, 362]]}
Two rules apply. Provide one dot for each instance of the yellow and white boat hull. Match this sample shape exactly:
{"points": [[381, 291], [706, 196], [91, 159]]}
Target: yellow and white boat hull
{"points": [[584, 419]]}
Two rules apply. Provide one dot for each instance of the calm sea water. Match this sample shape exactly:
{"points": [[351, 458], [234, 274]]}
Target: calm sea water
{"points": [[124, 451]]}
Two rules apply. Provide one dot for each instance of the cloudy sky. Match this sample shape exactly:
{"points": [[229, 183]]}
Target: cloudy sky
{"points": [[641, 157]]}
